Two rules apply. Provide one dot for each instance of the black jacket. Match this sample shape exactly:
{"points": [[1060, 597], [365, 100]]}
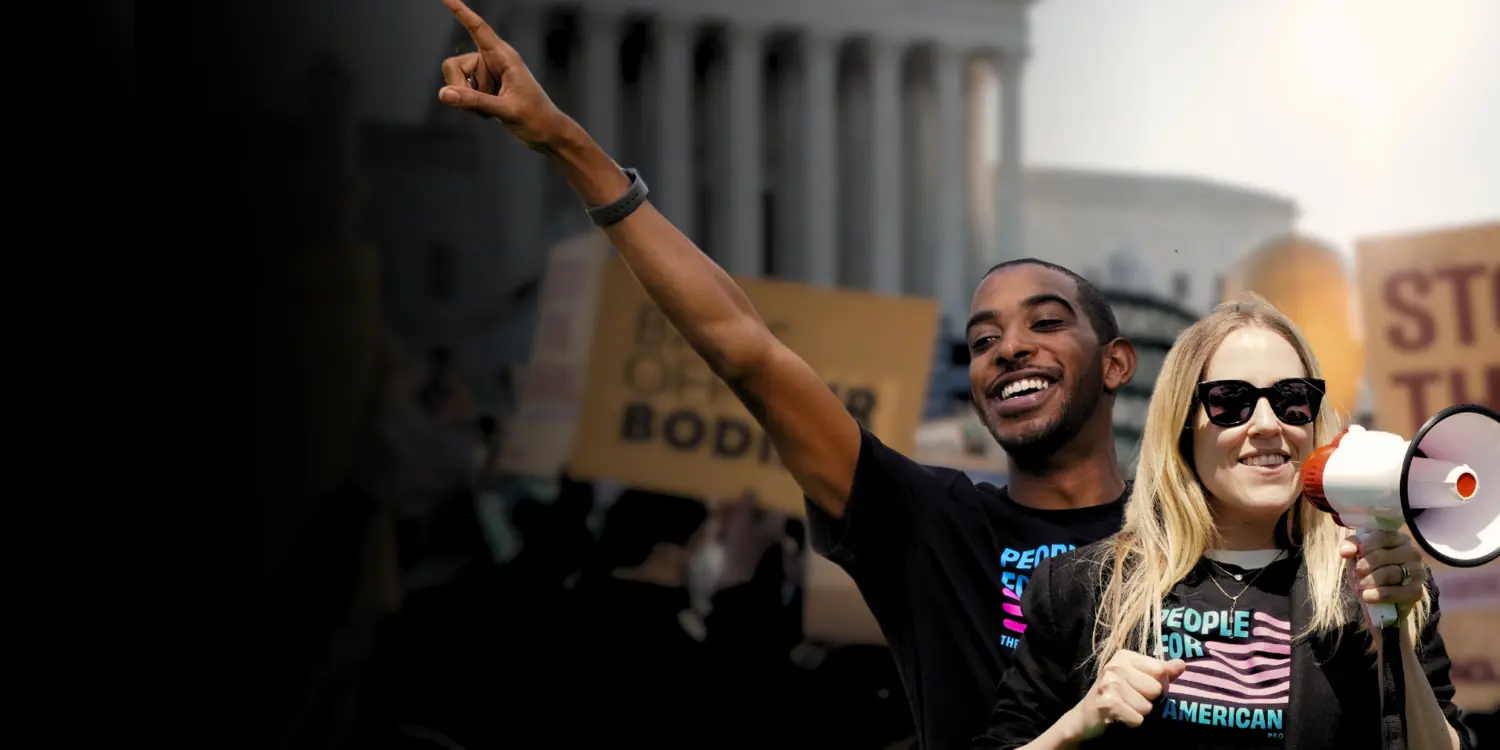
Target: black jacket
{"points": [[1335, 689]]}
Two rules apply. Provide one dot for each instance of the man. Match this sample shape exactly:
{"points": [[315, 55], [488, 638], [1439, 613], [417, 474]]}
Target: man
{"points": [[940, 561]]}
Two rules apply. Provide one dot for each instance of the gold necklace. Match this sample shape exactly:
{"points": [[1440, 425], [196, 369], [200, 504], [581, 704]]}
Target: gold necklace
{"points": [[1234, 601]]}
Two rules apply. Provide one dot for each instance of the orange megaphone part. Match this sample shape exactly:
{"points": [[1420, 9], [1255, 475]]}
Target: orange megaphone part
{"points": [[1312, 476], [1312, 473]]}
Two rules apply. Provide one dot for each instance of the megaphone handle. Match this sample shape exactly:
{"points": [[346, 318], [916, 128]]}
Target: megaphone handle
{"points": [[1393, 689], [1382, 616]]}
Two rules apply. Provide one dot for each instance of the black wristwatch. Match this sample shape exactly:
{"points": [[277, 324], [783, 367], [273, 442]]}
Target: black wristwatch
{"points": [[625, 205]]}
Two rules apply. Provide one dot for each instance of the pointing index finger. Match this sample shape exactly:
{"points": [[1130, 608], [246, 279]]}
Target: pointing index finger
{"points": [[465, 16], [489, 43]]}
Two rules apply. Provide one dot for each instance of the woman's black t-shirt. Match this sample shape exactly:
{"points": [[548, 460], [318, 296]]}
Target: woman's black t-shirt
{"points": [[1235, 635], [1252, 681]]}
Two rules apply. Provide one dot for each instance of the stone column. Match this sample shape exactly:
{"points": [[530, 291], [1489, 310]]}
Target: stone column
{"points": [[600, 108], [951, 248], [820, 207], [785, 183], [981, 174], [1010, 195], [673, 190], [853, 170], [886, 209], [744, 247]]}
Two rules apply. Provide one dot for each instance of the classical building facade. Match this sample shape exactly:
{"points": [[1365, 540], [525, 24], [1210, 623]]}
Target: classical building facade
{"points": [[1169, 237], [830, 142], [865, 144]]}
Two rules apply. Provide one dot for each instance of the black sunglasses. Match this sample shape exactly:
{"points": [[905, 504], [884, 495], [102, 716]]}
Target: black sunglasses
{"points": [[1229, 403]]}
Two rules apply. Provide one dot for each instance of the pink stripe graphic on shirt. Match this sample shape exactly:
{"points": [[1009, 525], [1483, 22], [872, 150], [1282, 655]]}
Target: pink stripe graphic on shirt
{"points": [[1247, 664], [1194, 676], [1245, 648], [1244, 666], [1260, 676], [1012, 609], [1251, 678], [1177, 688], [1269, 620]]}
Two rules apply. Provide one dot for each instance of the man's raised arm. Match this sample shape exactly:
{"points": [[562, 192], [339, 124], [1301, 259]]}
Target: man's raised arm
{"points": [[814, 435]]}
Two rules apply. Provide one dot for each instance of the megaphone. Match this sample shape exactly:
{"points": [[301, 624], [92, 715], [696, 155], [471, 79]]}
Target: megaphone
{"points": [[1443, 485]]}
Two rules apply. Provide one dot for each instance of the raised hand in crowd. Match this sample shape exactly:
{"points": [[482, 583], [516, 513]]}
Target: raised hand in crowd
{"points": [[812, 431]]}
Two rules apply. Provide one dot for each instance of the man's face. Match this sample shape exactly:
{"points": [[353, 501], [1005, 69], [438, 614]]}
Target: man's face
{"points": [[1036, 373]]}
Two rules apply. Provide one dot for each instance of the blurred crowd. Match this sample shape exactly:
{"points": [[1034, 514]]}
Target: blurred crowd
{"points": [[439, 602]]}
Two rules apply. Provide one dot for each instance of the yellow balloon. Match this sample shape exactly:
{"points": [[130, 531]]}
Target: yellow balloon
{"points": [[1308, 280]]}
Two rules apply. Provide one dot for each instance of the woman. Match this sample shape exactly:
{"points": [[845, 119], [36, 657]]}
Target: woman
{"points": [[1226, 611]]}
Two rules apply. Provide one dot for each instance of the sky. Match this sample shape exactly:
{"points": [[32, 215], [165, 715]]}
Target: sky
{"points": [[1376, 118]]}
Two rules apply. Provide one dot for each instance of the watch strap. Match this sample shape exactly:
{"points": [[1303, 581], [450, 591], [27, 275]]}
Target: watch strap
{"points": [[613, 212]]}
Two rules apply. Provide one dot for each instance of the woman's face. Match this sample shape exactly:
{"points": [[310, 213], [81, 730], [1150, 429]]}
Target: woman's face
{"points": [[1252, 470]]}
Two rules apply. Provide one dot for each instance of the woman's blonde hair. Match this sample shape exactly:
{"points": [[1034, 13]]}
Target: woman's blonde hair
{"points": [[1168, 524]]}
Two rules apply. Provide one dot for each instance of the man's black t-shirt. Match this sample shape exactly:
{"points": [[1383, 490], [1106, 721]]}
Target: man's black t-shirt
{"points": [[942, 563]]}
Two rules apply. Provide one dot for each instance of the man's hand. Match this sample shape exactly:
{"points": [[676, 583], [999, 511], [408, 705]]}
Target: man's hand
{"points": [[495, 82], [810, 428]]}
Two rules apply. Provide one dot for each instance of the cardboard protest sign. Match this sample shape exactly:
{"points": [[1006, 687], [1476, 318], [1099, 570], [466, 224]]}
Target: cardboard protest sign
{"points": [[654, 415], [1431, 304], [539, 437], [1470, 602], [613, 393]]}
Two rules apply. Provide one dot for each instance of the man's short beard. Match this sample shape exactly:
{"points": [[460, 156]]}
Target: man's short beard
{"points": [[1038, 444]]}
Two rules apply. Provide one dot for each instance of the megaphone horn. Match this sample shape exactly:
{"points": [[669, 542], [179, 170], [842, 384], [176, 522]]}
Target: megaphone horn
{"points": [[1453, 512], [1443, 484], [1432, 483]]}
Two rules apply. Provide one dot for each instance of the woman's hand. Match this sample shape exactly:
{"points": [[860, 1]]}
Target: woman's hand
{"points": [[1388, 570], [1123, 693]]}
